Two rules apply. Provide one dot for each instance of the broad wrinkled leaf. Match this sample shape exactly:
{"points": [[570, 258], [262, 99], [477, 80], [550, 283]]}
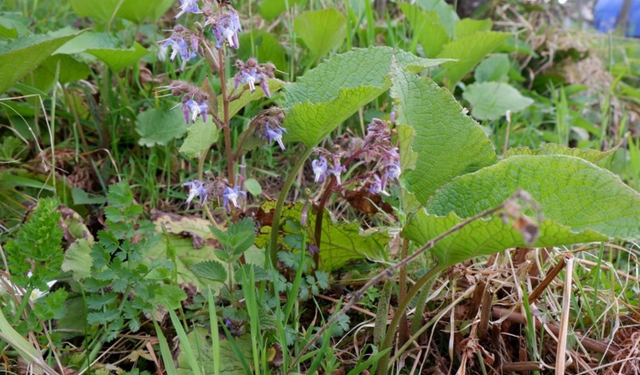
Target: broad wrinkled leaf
{"points": [[159, 126], [132, 10], [20, 56], [321, 30], [428, 28], [469, 52], [341, 241], [493, 68], [448, 143], [492, 100], [580, 203], [200, 338], [200, 136], [327, 95], [590, 155]]}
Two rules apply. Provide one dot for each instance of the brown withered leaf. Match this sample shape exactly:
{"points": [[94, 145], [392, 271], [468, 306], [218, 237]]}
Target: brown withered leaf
{"points": [[367, 203]]}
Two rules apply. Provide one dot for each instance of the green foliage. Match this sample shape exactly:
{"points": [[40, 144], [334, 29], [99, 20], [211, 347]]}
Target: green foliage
{"points": [[447, 143], [159, 126], [492, 100], [200, 340], [492, 69], [36, 247], [20, 56], [267, 49], [321, 30], [132, 10], [428, 28], [200, 136], [327, 95], [119, 271]]}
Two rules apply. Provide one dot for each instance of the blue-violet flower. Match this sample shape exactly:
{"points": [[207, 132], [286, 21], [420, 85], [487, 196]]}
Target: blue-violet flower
{"points": [[179, 46], [196, 189], [274, 134], [191, 110], [232, 195], [188, 6], [336, 170], [320, 168], [226, 29]]}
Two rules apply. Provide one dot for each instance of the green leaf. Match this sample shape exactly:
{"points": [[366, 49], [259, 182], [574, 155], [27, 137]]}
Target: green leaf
{"points": [[210, 269], [428, 28], [200, 338], [445, 12], [492, 100], [267, 48], [468, 27], [321, 30], [593, 156], [493, 68], [81, 197], [118, 59], [327, 95], [89, 40], [200, 136], [247, 96], [270, 9], [159, 126], [120, 195], [78, 260], [253, 186], [20, 56], [71, 70], [99, 301], [341, 241], [132, 10], [469, 51], [13, 24], [580, 203], [448, 143]]}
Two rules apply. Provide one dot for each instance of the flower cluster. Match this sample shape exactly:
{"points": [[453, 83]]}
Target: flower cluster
{"points": [[185, 43], [376, 147], [194, 100], [216, 188], [251, 73], [225, 28], [268, 125]]}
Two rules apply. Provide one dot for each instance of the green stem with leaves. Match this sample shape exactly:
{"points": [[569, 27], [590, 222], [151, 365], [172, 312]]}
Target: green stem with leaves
{"points": [[275, 227]]}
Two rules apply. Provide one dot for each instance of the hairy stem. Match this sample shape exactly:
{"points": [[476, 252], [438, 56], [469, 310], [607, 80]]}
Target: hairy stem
{"points": [[280, 204], [231, 176]]}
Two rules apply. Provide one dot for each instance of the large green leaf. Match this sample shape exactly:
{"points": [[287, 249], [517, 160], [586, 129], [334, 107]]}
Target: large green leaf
{"points": [[448, 143], [493, 68], [580, 203], [341, 241], [70, 70], [492, 100], [327, 95], [467, 27], [132, 10], [247, 96], [321, 30], [445, 12], [469, 51], [427, 27], [270, 9], [20, 56], [159, 126]]}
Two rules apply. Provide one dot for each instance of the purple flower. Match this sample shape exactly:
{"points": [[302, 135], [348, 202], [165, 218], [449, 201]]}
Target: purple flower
{"points": [[196, 189], [179, 46], [191, 110], [336, 170], [188, 6], [226, 29], [393, 171], [251, 77], [274, 134], [377, 186], [312, 249], [232, 195], [319, 168]]}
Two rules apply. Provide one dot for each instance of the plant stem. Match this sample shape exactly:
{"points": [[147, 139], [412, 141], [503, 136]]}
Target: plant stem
{"points": [[231, 176], [275, 227], [391, 330]]}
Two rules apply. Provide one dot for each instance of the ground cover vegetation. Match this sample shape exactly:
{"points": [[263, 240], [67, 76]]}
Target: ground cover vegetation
{"points": [[306, 186]]}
